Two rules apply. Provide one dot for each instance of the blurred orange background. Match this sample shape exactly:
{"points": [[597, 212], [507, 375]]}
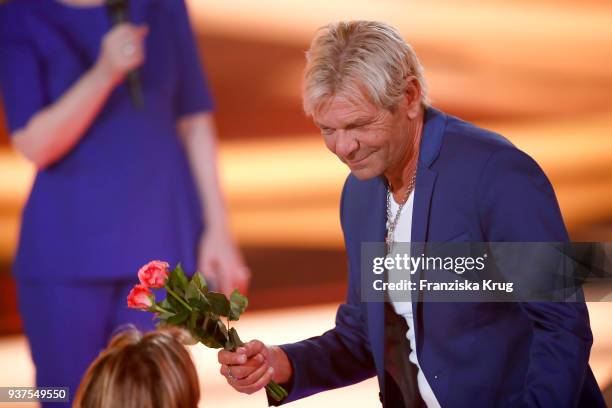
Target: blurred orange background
{"points": [[539, 73]]}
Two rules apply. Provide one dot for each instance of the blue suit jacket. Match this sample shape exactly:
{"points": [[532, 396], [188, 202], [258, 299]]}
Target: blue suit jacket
{"points": [[471, 185]]}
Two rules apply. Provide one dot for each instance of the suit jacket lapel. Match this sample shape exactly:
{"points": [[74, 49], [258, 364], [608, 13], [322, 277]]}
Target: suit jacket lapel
{"points": [[375, 231], [431, 142], [425, 182], [375, 225]]}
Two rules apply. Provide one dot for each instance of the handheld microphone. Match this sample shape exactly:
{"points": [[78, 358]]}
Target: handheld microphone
{"points": [[118, 11]]}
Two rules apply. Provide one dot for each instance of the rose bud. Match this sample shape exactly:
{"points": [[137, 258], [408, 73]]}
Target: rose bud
{"points": [[140, 297], [154, 274]]}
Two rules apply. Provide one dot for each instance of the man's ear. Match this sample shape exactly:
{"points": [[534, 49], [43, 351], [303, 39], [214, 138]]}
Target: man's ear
{"points": [[412, 97]]}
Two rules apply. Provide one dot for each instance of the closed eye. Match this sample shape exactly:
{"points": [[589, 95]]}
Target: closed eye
{"points": [[327, 131], [359, 123], [355, 126]]}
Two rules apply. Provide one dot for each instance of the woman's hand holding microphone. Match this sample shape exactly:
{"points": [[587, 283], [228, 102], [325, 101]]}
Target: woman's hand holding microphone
{"points": [[121, 51]]}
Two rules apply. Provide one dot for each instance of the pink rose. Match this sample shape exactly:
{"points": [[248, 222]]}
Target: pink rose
{"points": [[140, 297], [154, 274]]}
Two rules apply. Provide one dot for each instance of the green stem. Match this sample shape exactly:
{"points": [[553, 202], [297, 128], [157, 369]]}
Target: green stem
{"points": [[276, 391], [158, 308], [177, 297]]}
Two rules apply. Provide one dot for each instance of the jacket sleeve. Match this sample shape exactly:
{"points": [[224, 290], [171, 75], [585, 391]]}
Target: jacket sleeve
{"points": [[517, 204], [340, 356]]}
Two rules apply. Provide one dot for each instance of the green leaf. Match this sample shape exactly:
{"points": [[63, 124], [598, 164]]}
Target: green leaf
{"points": [[219, 303], [192, 292], [209, 323], [233, 341], [200, 282], [222, 331], [193, 319], [177, 280], [165, 315], [206, 339], [201, 304], [164, 304], [175, 305], [238, 304], [178, 319], [212, 331]]}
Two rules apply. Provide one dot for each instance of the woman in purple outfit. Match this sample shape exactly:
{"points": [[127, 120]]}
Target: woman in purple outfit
{"points": [[116, 186]]}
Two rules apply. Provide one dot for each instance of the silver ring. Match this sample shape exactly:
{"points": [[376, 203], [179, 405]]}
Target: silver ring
{"points": [[128, 49], [229, 373]]}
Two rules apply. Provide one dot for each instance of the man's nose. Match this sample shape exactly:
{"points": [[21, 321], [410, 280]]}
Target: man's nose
{"points": [[346, 144]]}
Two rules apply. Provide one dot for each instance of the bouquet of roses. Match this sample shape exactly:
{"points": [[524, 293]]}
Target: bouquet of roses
{"points": [[190, 305]]}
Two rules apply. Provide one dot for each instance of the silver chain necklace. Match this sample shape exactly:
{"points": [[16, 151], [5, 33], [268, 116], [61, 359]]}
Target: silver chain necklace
{"points": [[391, 220]]}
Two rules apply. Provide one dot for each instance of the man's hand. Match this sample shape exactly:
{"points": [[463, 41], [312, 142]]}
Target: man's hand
{"points": [[221, 263], [253, 366]]}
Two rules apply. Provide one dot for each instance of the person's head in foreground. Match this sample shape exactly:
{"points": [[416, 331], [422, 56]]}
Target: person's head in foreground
{"points": [[141, 370]]}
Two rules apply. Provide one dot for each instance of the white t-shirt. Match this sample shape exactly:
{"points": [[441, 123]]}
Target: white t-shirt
{"points": [[402, 233]]}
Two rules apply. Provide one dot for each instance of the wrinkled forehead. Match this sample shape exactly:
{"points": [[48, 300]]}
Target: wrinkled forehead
{"points": [[343, 108]]}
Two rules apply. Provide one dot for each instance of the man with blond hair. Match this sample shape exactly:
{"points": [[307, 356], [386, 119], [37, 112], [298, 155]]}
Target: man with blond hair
{"points": [[419, 175]]}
